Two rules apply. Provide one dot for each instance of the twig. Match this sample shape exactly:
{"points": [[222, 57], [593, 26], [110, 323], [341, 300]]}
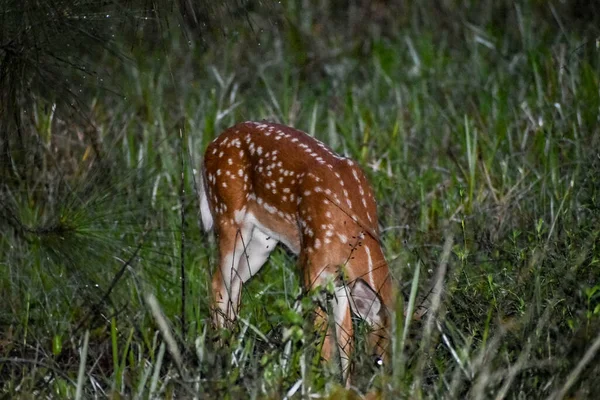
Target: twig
{"points": [[182, 247]]}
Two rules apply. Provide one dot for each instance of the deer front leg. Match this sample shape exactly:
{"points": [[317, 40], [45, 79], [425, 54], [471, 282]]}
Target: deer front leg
{"points": [[367, 304], [339, 333], [344, 335]]}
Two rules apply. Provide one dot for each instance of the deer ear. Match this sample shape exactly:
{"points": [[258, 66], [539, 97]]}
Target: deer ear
{"points": [[366, 302]]}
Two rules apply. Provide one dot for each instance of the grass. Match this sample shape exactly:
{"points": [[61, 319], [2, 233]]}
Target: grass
{"points": [[481, 140]]}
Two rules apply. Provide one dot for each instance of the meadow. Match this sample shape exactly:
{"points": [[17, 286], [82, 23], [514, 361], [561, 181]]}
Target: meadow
{"points": [[478, 125]]}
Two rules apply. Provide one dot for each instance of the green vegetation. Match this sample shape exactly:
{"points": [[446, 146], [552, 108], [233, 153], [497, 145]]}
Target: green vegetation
{"points": [[477, 123]]}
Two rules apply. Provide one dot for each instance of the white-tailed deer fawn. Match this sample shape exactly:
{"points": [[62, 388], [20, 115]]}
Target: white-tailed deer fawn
{"points": [[266, 183]]}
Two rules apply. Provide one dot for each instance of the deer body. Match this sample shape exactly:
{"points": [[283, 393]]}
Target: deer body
{"points": [[266, 183]]}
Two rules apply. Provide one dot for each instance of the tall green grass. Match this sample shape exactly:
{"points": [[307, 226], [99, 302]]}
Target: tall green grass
{"points": [[480, 138]]}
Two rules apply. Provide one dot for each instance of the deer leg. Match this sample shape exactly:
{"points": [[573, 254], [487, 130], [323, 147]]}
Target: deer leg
{"points": [[255, 255], [366, 303], [371, 294], [226, 286], [339, 334], [344, 338]]}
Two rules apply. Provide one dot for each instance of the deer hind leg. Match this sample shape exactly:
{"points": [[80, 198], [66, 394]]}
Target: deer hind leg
{"points": [[254, 256], [233, 239]]}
